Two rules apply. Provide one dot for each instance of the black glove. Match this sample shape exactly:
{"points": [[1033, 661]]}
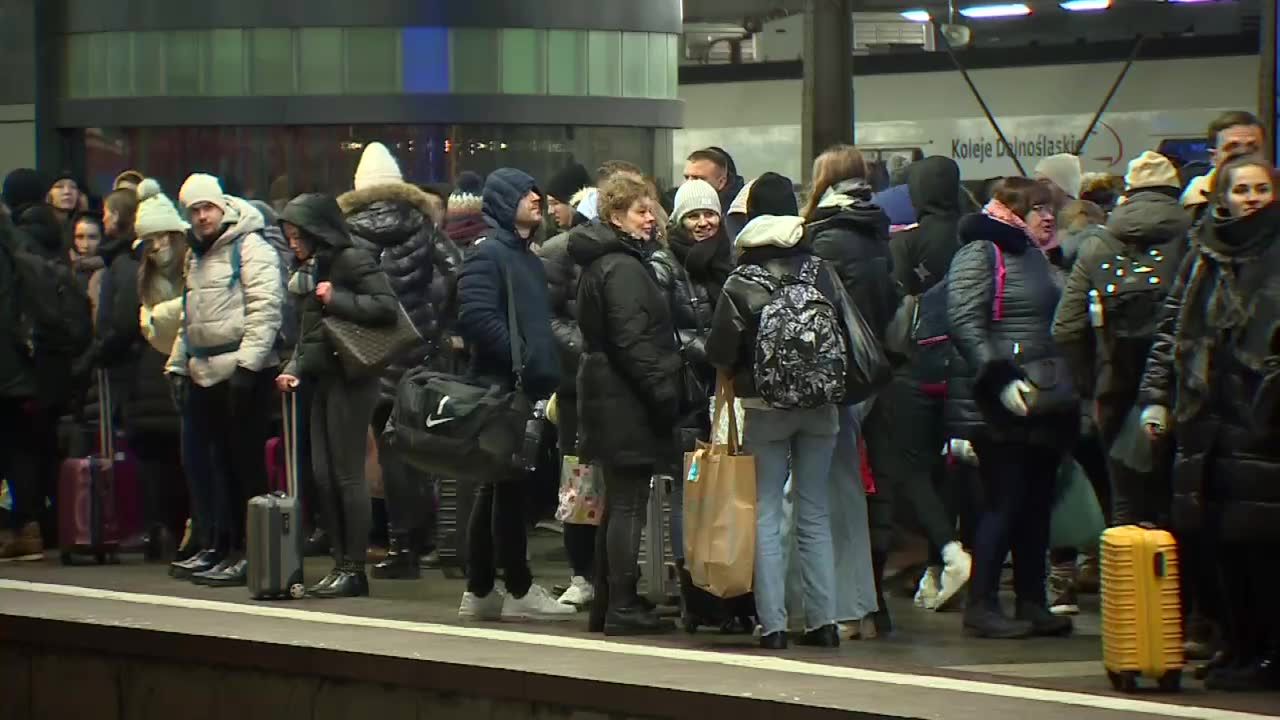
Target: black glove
{"points": [[178, 387]]}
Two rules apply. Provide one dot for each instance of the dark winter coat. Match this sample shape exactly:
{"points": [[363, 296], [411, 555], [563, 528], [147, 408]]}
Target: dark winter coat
{"points": [[628, 392], [691, 314], [922, 255], [1105, 368], [852, 234], [117, 336], [499, 256], [986, 347], [40, 232], [731, 346], [708, 263], [16, 376], [563, 275], [1225, 403], [361, 293], [416, 258]]}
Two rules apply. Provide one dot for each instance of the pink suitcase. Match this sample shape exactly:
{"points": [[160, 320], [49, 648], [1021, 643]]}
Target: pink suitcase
{"points": [[88, 521]]}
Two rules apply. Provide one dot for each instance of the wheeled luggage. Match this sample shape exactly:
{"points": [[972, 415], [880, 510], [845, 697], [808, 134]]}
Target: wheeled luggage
{"points": [[88, 522], [275, 525], [457, 497], [657, 564], [1141, 610]]}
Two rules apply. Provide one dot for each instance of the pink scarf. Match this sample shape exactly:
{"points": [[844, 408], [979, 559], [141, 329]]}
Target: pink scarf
{"points": [[997, 210]]}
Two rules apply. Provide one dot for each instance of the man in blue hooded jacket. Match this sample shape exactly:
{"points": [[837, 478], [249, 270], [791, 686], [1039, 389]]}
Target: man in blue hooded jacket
{"points": [[513, 212]]}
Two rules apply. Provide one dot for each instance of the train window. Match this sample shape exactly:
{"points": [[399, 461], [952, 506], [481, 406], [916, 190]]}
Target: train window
{"points": [[1183, 151]]}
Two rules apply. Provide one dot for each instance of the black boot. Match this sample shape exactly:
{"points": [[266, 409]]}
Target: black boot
{"points": [[401, 562], [1043, 622], [774, 641], [351, 581], [827, 636], [325, 581], [634, 620], [983, 618], [881, 618]]}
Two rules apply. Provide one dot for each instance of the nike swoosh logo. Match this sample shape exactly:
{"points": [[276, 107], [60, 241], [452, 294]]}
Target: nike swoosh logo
{"points": [[432, 422]]}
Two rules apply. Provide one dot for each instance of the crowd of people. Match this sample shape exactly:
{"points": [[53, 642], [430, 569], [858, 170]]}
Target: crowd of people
{"points": [[1128, 327]]}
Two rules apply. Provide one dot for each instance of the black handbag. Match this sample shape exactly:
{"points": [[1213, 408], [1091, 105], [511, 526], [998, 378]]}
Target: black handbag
{"points": [[869, 368], [364, 350], [460, 427], [695, 394]]}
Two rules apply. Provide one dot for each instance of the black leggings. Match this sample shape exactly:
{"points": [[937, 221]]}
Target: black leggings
{"points": [[410, 493], [497, 527], [340, 411], [618, 541]]}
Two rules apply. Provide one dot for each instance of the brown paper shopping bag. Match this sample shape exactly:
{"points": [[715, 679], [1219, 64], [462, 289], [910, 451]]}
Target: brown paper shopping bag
{"points": [[720, 509]]}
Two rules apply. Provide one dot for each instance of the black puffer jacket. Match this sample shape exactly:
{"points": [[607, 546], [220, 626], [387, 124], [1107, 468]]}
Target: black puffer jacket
{"points": [[361, 293], [117, 336], [773, 244], [627, 383], [41, 233], [1108, 368], [563, 275], [922, 254], [852, 234], [1222, 386], [16, 377], [415, 256], [986, 347], [691, 307]]}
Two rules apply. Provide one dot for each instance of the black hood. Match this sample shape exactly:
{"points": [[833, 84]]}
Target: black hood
{"points": [[1149, 218], [320, 217], [588, 243], [978, 226], [851, 207], [40, 223], [503, 191], [934, 186]]}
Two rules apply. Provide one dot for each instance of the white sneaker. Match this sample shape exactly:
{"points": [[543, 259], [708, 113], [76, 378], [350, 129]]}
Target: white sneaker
{"points": [[957, 567], [488, 607], [537, 603], [580, 593], [927, 590]]}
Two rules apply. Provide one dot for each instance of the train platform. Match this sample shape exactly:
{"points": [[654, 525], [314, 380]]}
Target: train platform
{"points": [[126, 641]]}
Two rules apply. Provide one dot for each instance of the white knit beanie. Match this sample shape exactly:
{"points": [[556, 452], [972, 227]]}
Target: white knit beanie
{"points": [[1062, 170], [695, 195], [202, 188], [1151, 169], [377, 167], [156, 213]]}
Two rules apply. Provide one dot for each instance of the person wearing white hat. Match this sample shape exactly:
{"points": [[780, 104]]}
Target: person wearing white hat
{"points": [[1063, 171], [225, 355]]}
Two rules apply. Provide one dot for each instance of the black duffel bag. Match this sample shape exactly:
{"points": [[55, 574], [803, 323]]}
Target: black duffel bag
{"points": [[461, 427]]}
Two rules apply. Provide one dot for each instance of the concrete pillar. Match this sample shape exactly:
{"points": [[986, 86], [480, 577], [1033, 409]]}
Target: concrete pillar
{"points": [[828, 78]]}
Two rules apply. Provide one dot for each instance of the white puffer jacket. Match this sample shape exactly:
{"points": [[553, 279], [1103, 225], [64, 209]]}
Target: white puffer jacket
{"points": [[230, 323]]}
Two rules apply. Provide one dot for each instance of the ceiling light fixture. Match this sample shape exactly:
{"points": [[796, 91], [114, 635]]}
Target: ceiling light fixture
{"points": [[919, 16], [982, 12], [1084, 5]]}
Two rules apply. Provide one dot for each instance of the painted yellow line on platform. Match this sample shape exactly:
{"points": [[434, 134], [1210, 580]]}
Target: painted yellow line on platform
{"points": [[775, 664]]}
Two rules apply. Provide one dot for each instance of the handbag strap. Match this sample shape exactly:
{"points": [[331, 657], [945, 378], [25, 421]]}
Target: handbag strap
{"points": [[725, 397], [1002, 273], [513, 332]]}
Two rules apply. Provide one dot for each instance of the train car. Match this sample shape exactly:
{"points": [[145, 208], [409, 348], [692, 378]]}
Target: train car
{"points": [[1162, 104]]}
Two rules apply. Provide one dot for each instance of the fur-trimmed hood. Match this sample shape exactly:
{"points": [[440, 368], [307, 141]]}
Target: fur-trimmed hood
{"points": [[401, 193]]}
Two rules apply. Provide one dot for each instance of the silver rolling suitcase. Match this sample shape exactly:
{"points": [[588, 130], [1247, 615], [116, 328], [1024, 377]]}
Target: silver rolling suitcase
{"points": [[275, 524], [657, 567]]}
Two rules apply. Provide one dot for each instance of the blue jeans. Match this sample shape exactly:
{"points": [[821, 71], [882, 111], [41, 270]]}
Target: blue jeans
{"points": [[800, 443]]}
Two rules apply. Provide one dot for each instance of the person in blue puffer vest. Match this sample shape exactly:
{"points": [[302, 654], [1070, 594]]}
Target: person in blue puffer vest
{"points": [[513, 213]]}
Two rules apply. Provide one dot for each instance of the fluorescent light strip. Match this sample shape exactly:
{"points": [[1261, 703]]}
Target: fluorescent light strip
{"points": [[1084, 5], [920, 16], [981, 12]]}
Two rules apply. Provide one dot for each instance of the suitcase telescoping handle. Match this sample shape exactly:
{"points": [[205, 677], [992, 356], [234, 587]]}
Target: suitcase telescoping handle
{"points": [[289, 423], [106, 433]]}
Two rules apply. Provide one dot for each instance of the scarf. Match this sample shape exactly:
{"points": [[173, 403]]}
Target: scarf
{"points": [[1000, 212], [1215, 305], [845, 192], [706, 261], [303, 281]]}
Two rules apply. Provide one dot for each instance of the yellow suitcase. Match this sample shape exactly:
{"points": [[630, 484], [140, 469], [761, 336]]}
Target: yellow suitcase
{"points": [[1141, 608]]}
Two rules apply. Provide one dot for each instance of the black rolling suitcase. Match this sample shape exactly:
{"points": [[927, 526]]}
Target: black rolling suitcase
{"points": [[457, 497], [275, 526]]}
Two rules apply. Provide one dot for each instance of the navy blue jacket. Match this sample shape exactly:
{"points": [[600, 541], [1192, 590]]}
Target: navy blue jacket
{"points": [[482, 295]]}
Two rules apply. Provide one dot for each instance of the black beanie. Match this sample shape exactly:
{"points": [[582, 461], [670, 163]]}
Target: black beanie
{"points": [[568, 182], [468, 183], [25, 187], [772, 194]]}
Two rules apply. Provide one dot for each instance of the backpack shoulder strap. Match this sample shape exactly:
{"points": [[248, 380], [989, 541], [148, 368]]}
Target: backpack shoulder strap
{"points": [[237, 257], [809, 272]]}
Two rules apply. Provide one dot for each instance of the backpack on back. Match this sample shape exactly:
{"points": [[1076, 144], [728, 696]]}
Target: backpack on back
{"points": [[802, 352], [55, 318]]}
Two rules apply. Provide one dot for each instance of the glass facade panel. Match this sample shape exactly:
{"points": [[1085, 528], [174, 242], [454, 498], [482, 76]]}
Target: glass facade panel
{"points": [[286, 160], [182, 53], [567, 62], [96, 70], [226, 62], [119, 62], [426, 60], [604, 60], [271, 62], [148, 64], [75, 71], [373, 61], [635, 64], [475, 59], [320, 61], [524, 62], [659, 73]]}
